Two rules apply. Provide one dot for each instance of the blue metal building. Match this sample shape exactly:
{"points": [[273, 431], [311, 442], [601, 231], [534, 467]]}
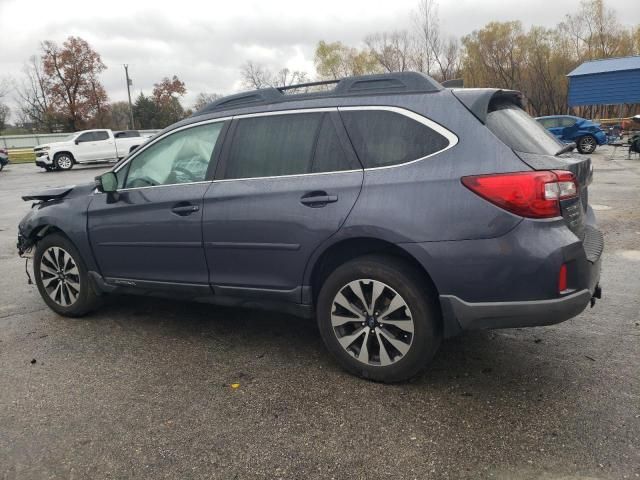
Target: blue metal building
{"points": [[610, 81]]}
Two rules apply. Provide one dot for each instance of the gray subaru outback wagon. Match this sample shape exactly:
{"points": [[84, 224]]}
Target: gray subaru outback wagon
{"points": [[396, 211]]}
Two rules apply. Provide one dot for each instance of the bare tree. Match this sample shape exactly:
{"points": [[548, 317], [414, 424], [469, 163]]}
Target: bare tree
{"points": [[32, 96], [203, 99], [256, 76], [392, 50], [428, 35]]}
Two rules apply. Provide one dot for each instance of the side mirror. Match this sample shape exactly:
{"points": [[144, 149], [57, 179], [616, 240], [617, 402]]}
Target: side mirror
{"points": [[107, 182], [77, 142]]}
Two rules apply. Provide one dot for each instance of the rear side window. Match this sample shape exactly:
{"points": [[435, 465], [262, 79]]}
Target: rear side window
{"points": [[273, 145], [383, 138], [520, 131], [567, 122]]}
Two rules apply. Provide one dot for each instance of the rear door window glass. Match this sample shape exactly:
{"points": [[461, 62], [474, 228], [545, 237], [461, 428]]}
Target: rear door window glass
{"points": [[273, 145], [329, 155], [383, 138]]}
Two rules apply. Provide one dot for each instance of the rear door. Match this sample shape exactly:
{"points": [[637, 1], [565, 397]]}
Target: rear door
{"points": [[149, 233], [287, 182], [554, 126]]}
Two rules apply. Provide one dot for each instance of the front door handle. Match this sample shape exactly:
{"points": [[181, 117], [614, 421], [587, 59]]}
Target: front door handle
{"points": [[183, 209], [318, 199]]}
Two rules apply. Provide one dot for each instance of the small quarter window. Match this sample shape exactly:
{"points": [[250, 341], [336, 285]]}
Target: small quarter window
{"points": [[382, 138]]}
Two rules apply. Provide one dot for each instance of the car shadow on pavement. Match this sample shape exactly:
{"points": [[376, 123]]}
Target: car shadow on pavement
{"points": [[483, 363]]}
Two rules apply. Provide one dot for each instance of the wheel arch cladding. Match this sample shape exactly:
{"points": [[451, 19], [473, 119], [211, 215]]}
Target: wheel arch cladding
{"points": [[347, 249]]}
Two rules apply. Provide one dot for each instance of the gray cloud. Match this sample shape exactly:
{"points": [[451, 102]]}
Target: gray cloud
{"points": [[205, 44]]}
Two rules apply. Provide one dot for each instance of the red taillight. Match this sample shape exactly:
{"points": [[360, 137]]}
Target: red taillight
{"points": [[562, 278], [528, 194]]}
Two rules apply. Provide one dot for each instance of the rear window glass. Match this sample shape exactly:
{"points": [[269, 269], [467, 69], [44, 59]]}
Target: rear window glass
{"points": [[383, 138], [520, 131]]}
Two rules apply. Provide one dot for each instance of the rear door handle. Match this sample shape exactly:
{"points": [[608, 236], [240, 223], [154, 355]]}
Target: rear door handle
{"points": [[318, 199], [184, 209]]}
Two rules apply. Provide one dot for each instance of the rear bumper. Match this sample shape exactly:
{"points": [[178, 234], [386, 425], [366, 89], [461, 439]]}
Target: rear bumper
{"points": [[479, 316], [535, 313]]}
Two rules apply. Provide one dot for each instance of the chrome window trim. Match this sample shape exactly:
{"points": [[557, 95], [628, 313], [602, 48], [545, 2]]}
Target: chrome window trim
{"points": [[451, 137]]}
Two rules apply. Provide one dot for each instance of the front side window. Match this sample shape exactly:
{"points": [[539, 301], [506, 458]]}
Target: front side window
{"points": [[273, 145], [382, 138], [100, 135], [85, 137], [181, 157]]}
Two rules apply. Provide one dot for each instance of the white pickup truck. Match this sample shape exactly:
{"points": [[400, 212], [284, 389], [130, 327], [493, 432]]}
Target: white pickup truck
{"points": [[88, 146]]}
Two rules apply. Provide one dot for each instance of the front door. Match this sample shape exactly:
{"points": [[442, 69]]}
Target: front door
{"points": [[84, 151], [287, 183], [149, 233]]}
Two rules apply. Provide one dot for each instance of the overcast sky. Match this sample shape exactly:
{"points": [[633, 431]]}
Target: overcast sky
{"points": [[206, 42]]}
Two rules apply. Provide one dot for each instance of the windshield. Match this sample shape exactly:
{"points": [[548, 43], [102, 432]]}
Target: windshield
{"points": [[520, 131], [68, 138]]}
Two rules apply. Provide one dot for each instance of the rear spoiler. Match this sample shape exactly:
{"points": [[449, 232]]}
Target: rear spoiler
{"points": [[478, 100], [51, 194]]}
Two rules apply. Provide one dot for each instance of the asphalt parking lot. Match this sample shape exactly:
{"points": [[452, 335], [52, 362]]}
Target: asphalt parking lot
{"points": [[142, 388]]}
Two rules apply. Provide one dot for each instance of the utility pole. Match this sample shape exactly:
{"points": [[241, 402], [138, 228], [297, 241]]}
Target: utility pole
{"points": [[129, 83]]}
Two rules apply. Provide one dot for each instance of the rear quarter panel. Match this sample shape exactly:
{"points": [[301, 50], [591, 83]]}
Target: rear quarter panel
{"points": [[424, 201]]}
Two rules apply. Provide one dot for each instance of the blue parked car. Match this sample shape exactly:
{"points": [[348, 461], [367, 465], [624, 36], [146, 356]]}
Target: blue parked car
{"points": [[586, 134]]}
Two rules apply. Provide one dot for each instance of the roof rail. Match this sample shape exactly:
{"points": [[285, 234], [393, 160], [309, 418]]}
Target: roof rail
{"points": [[307, 85], [401, 82]]}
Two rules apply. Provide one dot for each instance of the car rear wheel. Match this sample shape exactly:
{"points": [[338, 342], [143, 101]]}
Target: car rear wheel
{"points": [[378, 317], [587, 144], [63, 161], [62, 278]]}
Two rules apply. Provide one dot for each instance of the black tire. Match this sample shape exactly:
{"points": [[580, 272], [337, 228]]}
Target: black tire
{"points": [[86, 300], [407, 281], [63, 161], [587, 144]]}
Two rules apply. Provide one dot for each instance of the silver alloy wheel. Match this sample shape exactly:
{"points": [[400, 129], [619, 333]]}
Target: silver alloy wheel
{"points": [[587, 144], [372, 322], [60, 276], [65, 162]]}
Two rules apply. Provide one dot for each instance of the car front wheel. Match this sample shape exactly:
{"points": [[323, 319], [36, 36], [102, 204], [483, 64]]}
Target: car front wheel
{"points": [[62, 278], [63, 161], [587, 144], [378, 317]]}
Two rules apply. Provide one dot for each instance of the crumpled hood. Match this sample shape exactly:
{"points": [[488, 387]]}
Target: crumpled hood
{"points": [[57, 193]]}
